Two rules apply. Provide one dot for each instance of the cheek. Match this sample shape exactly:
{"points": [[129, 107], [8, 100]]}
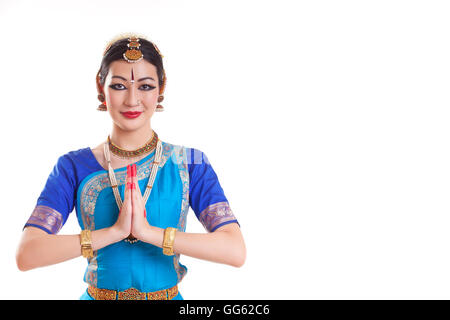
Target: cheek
{"points": [[152, 97], [115, 99], [150, 100]]}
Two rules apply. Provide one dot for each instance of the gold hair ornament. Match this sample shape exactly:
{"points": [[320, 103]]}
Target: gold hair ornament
{"points": [[133, 54]]}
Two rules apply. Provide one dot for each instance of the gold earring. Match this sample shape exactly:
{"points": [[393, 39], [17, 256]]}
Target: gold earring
{"points": [[102, 106], [160, 108]]}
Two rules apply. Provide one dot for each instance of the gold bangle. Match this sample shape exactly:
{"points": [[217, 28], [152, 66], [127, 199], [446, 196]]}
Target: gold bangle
{"points": [[169, 238], [86, 244]]}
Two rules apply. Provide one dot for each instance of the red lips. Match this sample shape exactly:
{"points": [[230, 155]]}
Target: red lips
{"points": [[131, 115]]}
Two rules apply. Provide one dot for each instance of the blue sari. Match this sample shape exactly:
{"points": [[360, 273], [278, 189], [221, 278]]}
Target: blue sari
{"points": [[185, 178]]}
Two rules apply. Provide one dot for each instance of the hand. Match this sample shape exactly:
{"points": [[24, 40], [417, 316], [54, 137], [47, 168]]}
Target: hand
{"points": [[139, 223], [123, 224]]}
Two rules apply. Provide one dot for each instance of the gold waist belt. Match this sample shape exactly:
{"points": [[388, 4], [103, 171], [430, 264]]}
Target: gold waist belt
{"points": [[132, 294]]}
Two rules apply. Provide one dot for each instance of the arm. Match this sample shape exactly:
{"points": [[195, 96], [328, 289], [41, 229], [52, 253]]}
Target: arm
{"points": [[224, 245], [37, 248]]}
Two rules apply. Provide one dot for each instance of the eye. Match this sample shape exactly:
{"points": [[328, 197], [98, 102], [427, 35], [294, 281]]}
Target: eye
{"points": [[114, 86], [148, 87]]}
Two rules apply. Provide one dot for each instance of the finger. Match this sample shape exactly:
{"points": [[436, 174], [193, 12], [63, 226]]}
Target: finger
{"points": [[137, 196], [128, 184], [133, 169], [127, 191], [127, 180], [134, 182]]}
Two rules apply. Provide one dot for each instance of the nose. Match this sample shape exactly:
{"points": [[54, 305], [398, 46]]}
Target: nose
{"points": [[132, 98]]}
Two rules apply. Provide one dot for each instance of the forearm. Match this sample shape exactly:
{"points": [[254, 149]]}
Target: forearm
{"points": [[219, 246], [47, 249]]}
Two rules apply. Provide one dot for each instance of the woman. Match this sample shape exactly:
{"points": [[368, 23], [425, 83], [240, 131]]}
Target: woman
{"points": [[132, 193]]}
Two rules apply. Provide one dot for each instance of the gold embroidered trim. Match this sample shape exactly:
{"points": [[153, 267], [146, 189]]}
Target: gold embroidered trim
{"points": [[47, 218], [132, 294], [102, 294], [216, 214]]}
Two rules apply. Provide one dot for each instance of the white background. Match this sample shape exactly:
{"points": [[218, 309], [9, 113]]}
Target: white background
{"points": [[327, 123]]}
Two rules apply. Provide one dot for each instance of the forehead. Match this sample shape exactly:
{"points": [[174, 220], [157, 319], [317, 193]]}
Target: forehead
{"points": [[141, 68]]}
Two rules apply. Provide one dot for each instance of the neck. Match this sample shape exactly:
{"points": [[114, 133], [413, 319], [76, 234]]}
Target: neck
{"points": [[131, 140]]}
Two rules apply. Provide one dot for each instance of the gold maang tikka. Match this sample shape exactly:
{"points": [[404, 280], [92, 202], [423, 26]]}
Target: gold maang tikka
{"points": [[133, 54]]}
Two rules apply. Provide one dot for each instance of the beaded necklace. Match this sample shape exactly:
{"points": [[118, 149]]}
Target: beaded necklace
{"points": [[151, 179]]}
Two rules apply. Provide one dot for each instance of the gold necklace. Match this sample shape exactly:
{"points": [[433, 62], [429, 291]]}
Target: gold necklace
{"points": [[150, 145]]}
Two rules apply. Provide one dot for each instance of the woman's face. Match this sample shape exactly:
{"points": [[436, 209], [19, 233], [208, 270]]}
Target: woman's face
{"points": [[122, 95]]}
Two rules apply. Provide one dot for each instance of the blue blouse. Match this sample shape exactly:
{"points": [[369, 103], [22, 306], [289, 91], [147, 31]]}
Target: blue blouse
{"points": [[185, 178]]}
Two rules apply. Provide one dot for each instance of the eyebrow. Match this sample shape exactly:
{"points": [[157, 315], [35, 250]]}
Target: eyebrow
{"points": [[141, 79]]}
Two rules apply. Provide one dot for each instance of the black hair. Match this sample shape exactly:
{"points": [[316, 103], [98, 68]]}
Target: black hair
{"points": [[116, 50]]}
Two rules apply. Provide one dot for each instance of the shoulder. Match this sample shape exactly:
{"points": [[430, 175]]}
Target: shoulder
{"points": [[97, 151], [196, 156], [189, 154], [77, 162], [193, 159], [179, 150], [74, 156]]}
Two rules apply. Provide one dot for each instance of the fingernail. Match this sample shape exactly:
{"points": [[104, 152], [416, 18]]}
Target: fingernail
{"points": [[145, 213], [128, 170], [133, 170]]}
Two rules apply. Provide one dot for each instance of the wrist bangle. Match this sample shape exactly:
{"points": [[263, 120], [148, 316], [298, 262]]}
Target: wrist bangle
{"points": [[169, 238], [86, 244]]}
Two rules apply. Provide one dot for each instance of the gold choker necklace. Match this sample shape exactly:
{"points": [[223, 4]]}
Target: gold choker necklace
{"points": [[150, 145]]}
